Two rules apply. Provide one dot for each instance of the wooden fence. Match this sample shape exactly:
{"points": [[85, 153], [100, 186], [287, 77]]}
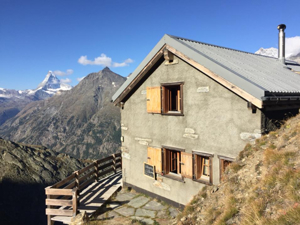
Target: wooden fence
{"points": [[63, 197]]}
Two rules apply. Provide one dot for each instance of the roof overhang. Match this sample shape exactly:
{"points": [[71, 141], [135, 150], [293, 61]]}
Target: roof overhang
{"points": [[233, 81]]}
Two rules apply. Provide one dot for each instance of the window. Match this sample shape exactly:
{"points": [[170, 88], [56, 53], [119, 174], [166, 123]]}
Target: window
{"points": [[177, 163], [166, 99], [172, 98], [203, 167], [224, 163]]}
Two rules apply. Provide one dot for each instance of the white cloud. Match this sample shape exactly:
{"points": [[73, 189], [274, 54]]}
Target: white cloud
{"points": [[103, 60], [125, 63], [292, 46], [66, 81], [80, 78], [61, 73]]}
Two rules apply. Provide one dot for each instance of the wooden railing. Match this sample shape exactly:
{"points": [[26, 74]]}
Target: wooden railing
{"points": [[63, 197]]}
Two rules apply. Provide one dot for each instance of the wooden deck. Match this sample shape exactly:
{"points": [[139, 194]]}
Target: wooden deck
{"points": [[94, 196], [84, 190]]}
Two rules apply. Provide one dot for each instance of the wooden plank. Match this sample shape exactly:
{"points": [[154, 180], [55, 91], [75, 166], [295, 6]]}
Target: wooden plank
{"points": [[118, 155], [153, 100], [70, 186], [52, 191], [64, 181], [59, 212], [86, 176], [105, 165], [58, 202], [96, 171], [106, 172], [187, 165], [62, 219], [221, 80], [105, 159], [74, 205], [154, 158], [84, 184], [85, 169]]}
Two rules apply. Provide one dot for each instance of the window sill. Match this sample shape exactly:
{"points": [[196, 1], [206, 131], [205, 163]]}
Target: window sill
{"points": [[173, 113], [174, 177], [202, 181]]}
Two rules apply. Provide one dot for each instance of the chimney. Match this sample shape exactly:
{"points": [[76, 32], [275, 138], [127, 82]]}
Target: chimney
{"points": [[281, 43]]}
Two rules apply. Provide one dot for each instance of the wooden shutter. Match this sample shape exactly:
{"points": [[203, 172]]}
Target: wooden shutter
{"points": [[153, 100], [187, 165], [210, 170], [154, 158]]}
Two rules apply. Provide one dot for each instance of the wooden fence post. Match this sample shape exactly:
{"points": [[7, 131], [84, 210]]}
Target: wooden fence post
{"points": [[96, 170], [114, 163], [77, 185], [74, 205], [49, 221]]}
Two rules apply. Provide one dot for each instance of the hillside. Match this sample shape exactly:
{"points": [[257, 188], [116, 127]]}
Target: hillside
{"points": [[81, 122], [25, 172], [261, 187]]}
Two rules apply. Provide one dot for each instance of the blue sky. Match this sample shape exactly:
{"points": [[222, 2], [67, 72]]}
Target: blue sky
{"points": [[41, 35]]}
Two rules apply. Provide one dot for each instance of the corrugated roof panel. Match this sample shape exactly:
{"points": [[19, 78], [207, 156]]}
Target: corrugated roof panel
{"points": [[267, 72], [255, 74]]}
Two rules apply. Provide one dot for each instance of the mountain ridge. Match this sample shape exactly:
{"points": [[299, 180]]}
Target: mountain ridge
{"points": [[13, 101], [81, 122]]}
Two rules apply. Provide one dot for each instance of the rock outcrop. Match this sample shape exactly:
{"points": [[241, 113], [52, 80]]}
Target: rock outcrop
{"points": [[25, 171]]}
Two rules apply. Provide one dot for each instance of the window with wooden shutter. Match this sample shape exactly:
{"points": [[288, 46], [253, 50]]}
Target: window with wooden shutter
{"points": [[186, 164], [203, 167], [154, 158], [153, 100], [224, 163], [172, 98]]}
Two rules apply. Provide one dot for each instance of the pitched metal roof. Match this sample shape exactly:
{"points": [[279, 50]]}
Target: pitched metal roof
{"points": [[256, 74]]}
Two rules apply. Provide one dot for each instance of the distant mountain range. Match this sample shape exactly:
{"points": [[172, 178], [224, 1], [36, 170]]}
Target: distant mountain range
{"points": [[273, 52], [13, 101], [81, 122]]}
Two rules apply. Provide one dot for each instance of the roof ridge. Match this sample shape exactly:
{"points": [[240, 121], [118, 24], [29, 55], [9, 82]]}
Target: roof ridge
{"points": [[218, 46]]}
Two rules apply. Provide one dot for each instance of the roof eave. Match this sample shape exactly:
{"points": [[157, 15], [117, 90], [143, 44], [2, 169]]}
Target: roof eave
{"points": [[150, 59]]}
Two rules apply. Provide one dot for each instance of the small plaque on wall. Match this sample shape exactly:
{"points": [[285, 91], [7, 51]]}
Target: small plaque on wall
{"points": [[149, 170], [202, 89]]}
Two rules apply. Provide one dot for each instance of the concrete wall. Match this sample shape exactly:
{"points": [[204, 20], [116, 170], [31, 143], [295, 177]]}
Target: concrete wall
{"points": [[220, 120]]}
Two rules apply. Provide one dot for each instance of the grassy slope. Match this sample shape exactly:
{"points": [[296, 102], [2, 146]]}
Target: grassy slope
{"points": [[261, 187]]}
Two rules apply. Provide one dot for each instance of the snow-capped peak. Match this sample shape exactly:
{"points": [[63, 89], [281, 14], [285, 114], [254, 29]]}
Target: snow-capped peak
{"points": [[50, 81], [50, 85], [272, 52]]}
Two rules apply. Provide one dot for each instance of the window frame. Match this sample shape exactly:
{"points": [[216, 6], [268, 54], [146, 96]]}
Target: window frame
{"points": [[165, 93], [223, 158], [202, 178], [166, 172]]}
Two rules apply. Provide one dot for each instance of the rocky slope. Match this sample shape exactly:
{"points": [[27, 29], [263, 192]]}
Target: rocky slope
{"points": [[25, 172], [261, 187], [81, 122]]}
